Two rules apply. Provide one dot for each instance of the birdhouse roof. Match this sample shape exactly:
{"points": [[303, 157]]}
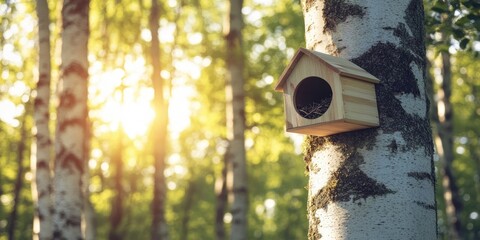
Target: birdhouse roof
{"points": [[338, 65]]}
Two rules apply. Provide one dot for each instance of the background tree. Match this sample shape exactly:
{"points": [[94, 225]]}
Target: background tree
{"points": [[19, 180], [235, 98], [72, 115], [451, 26], [159, 135], [353, 176], [40, 163], [117, 212], [193, 50]]}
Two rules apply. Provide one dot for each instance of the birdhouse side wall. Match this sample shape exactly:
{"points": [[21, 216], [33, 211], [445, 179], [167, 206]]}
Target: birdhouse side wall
{"points": [[309, 67], [359, 101]]}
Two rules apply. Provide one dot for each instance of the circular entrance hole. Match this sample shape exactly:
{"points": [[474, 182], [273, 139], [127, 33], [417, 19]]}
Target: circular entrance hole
{"points": [[312, 97]]}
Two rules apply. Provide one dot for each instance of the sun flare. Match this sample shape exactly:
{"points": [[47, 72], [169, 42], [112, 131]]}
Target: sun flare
{"points": [[124, 98]]}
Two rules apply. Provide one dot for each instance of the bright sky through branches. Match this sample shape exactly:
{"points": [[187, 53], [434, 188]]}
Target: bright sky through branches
{"points": [[124, 96]]}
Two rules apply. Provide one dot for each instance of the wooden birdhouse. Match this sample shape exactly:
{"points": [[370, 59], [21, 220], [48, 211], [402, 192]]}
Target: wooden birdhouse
{"points": [[325, 95]]}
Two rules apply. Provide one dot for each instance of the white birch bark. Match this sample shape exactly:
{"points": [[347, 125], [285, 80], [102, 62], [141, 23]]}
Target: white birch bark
{"points": [[376, 183], [72, 114], [235, 97], [41, 147]]}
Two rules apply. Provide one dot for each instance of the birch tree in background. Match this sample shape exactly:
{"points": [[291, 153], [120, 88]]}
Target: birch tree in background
{"points": [[444, 145], [159, 133], [374, 183], [72, 115], [444, 133], [235, 97], [41, 147]]}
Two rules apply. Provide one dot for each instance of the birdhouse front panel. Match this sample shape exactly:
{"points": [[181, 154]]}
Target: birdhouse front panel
{"points": [[304, 87], [325, 95]]}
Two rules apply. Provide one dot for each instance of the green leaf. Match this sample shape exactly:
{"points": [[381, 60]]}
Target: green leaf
{"points": [[440, 7], [458, 33], [464, 42], [462, 21]]}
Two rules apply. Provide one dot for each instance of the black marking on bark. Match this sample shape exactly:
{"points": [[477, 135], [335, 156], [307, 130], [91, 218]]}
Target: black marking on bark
{"points": [[42, 194], [397, 80], [337, 11], [347, 183], [38, 102], [406, 40], [426, 206], [70, 122], [240, 190], [62, 215], [40, 215], [393, 146], [43, 141], [309, 4], [72, 8], [68, 160], [67, 100], [411, 39], [73, 221], [75, 68], [43, 80], [422, 176], [414, 15], [333, 50], [309, 27], [347, 142], [57, 234], [42, 165], [400, 79]]}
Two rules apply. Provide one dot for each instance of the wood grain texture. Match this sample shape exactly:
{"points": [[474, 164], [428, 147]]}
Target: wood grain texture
{"points": [[353, 106]]}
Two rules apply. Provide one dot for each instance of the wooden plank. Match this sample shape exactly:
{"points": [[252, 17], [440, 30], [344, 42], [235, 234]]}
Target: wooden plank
{"points": [[354, 87], [329, 128], [362, 118]]}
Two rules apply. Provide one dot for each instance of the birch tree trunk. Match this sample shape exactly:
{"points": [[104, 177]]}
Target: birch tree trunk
{"points": [[444, 144], [72, 115], [376, 183], [41, 147], [221, 194], [159, 144], [235, 97]]}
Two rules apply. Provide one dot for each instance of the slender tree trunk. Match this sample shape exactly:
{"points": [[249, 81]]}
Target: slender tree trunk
{"points": [[222, 198], [379, 182], [40, 162], [72, 115], [235, 97], [187, 207], [444, 122], [12, 218], [116, 214], [159, 225]]}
